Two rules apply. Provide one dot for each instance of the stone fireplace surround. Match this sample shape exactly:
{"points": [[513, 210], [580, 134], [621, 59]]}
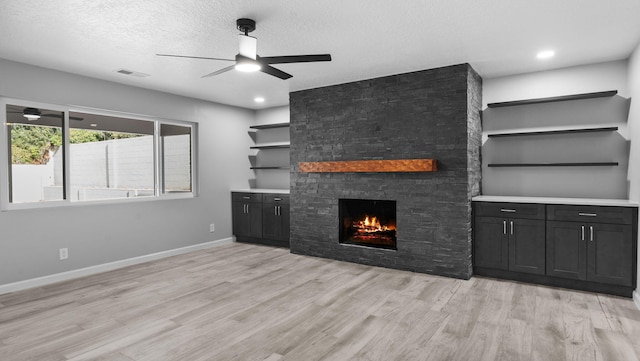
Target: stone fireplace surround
{"points": [[425, 114]]}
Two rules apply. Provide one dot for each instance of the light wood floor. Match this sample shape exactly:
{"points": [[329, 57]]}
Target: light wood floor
{"points": [[245, 302]]}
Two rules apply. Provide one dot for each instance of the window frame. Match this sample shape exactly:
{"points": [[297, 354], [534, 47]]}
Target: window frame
{"points": [[160, 154], [5, 161]]}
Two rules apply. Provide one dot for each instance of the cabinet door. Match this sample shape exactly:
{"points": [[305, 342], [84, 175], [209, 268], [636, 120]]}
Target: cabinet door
{"points": [[240, 219], [527, 246], [490, 243], [610, 254], [275, 225], [247, 219], [271, 222], [255, 219], [566, 250]]}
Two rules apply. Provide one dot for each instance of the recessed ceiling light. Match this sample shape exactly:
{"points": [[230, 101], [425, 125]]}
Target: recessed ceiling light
{"points": [[258, 99], [546, 54]]}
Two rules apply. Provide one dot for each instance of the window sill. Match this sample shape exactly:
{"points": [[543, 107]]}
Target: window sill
{"points": [[62, 204]]}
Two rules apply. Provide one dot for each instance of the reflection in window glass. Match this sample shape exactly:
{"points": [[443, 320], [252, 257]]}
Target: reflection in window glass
{"points": [[176, 162], [36, 153], [110, 157]]}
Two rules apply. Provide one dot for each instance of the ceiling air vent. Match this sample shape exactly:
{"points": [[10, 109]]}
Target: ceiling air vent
{"points": [[132, 73]]}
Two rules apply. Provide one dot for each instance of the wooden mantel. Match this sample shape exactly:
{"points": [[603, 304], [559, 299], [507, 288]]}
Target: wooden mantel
{"points": [[370, 166]]}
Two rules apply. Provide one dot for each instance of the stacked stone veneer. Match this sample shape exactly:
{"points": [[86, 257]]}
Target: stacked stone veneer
{"points": [[426, 114]]}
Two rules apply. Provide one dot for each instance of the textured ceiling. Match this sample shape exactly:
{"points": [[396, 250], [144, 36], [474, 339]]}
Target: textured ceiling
{"points": [[367, 39]]}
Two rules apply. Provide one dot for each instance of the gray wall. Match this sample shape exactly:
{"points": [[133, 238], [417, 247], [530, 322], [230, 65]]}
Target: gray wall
{"points": [[278, 179], [96, 234], [581, 182], [426, 114], [634, 133]]}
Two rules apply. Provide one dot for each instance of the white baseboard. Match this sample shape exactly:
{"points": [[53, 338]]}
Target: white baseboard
{"points": [[87, 271], [636, 297]]}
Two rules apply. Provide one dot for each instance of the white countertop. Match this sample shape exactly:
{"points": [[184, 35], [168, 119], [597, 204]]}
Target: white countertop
{"points": [[261, 190], [557, 200]]}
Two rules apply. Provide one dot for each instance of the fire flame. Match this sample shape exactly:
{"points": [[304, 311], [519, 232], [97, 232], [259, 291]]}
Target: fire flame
{"points": [[371, 225]]}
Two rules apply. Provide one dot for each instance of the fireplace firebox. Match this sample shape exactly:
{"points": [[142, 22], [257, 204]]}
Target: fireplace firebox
{"points": [[367, 222]]}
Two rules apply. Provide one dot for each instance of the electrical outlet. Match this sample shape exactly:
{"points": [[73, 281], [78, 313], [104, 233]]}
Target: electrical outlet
{"points": [[212, 228], [64, 253]]}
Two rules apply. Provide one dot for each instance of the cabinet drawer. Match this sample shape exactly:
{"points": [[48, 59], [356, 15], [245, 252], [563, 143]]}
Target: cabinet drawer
{"points": [[275, 198], [592, 214], [246, 197], [510, 210]]}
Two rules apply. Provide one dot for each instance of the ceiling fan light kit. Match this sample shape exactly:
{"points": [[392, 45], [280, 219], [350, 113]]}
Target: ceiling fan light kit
{"points": [[247, 67], [31, 113], [248, 60], [247, 64]]}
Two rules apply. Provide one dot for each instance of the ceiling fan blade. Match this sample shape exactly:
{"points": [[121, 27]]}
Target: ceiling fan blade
{"points": [[223, 70], [59, 116], [193, 57], [275, 72], [294, 59], [52, 115]]}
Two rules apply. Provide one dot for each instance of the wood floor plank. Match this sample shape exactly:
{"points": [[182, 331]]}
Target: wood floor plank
{"points": [[248, 302], [615, 346], [408, 327]]}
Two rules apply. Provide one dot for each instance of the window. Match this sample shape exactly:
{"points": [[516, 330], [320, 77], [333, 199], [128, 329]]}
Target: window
{"points": [[55, 155], [110, 157], [36, 171], [176, 158]]}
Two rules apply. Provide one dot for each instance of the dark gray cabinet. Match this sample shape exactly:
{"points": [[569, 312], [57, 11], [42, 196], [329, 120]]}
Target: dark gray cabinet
{"points": [[489, 243], [591, 243], [566, 250], [275, 216], [247, 214], [584, 247], [261, 218], [514, 242]]}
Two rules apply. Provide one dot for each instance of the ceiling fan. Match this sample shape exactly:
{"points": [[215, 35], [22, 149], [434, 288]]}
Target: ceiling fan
{"points": [[35, 114], [248, 60]]}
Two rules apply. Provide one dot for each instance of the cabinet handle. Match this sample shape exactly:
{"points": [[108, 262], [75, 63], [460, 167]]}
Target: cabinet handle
{"points": [[591, 233], [246, 197], [582, 227], [279, 211], [507, 210], [504, 227], [246, 208], [587, 214], [275, 210], [277, 199], [511, 227]]}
